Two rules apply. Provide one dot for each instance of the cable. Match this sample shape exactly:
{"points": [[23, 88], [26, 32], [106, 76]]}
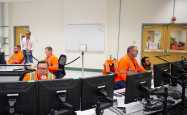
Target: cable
{"points": [[35, 58], [72, 61]]}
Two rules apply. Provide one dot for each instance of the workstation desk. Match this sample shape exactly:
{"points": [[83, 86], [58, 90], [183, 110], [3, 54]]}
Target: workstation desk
{"points": [[13, 72]]}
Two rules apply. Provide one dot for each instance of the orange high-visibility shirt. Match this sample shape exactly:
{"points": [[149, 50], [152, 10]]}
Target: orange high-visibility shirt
{"points": [[16, 58], [34, 77], [125, 65], [53, 63]]}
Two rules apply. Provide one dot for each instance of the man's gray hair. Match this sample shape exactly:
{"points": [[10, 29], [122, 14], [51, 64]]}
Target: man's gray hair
{"points": [[130, 48]]}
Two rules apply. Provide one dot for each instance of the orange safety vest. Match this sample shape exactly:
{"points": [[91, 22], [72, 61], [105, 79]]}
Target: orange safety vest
{"points": [[110, 66], [34, 77], [16, 58]]}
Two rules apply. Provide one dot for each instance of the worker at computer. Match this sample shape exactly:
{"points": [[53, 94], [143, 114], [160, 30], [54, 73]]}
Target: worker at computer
{"points": [[17, 57], [51, 59], [127, 64], [41, 73]]}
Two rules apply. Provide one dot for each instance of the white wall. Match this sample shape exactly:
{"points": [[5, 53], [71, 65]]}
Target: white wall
{"points": [[1, 13], [45, 18], [89, 12], [48, 17], [3, 30]]}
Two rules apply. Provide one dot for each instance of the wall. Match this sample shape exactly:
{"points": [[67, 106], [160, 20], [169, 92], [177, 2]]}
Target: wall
{"points": [[1, 13], [4, 30], [45, 18], [48, 17], [1, 19]]}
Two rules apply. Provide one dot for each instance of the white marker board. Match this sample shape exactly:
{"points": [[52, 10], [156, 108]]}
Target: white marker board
{"points": [[91, 35]]}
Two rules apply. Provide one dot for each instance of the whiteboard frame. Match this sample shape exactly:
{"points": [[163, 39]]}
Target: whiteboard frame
{"points": [[76, 51]]}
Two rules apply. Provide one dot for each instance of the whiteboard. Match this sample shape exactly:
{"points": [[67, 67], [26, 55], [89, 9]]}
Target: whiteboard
{"points": [[91, 35]]}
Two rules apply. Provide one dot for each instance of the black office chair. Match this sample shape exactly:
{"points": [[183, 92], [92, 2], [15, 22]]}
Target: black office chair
{"points": [[2, 58], [61, 65], [62, 61]]}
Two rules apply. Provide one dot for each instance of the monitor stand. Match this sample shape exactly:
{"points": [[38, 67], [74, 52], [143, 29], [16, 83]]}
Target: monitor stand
{"points": [[67, 109], [12, 102], [103, 102], [149, 92]]}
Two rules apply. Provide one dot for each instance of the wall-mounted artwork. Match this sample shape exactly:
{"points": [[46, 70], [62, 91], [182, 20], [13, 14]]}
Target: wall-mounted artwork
{"points": [[177, 40], [153, 40]]}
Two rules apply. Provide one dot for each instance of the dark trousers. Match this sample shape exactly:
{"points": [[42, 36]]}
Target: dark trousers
{"points": [[28, 56], [119, 85]]}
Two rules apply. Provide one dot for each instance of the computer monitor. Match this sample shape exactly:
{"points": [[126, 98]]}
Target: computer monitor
{"points": [[178, 68], [95, 90], [2, 58], [161, 74], [133, 92], [59, 95], [18, 98]]}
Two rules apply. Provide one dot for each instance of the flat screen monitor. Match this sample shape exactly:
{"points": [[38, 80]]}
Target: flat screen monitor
{"points": [[133, 92]]}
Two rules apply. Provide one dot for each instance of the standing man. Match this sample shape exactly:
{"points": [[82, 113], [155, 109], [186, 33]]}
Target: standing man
{"points": [[26, 45], [127, 64]]}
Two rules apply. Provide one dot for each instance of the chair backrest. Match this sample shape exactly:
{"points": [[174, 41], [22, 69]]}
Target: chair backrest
{"points": [[2, 58], [62, 61]]}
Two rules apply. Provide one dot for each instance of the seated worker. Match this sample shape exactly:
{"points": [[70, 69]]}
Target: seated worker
{"points": [[41, 73], [52, 60], [146, 63], [17, 57], [127, 64]]}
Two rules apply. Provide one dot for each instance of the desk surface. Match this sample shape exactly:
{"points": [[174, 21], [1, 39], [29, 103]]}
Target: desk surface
{"points": [[80, 74], [9, 70], [69, 73], [11, 67]]}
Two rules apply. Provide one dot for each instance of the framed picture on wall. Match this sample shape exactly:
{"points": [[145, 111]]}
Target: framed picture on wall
{"points": [[153, 40], [178, 39]]}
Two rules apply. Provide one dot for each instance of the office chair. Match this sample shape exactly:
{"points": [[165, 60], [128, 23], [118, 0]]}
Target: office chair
{"points": [[61, 65]]}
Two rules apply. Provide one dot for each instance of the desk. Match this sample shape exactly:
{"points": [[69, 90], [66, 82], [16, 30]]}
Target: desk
{"points": [[78, 74], [11, 72], [131, 109]]}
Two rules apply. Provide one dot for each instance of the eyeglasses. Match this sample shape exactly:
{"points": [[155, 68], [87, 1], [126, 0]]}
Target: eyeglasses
{"points": [[42, 68]]}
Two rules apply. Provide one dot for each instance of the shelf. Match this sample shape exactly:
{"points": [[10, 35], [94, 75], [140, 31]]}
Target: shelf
{"points": [[159, 50], [177, 51]]}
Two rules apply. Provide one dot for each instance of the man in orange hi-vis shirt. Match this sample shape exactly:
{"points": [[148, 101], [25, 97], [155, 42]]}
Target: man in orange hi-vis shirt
{"points": [[127, 64], [17, 57], [51, 59], [42, 73]]}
